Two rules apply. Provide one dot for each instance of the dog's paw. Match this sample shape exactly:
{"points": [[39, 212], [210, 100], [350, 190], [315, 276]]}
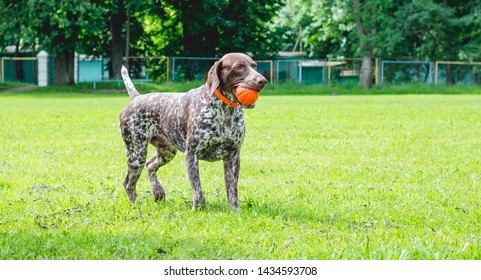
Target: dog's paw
{"points": [[234, 206], [159, 196], [198, 203], [132, 196]]}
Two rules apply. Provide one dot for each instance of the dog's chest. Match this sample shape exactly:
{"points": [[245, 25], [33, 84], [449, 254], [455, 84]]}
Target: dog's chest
{"points": [[220, 134]]}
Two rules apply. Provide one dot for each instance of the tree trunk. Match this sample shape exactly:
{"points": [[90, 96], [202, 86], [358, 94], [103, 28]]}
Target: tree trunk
{"points": [[449, 77], [18, 64], [64, 67], [365, 76], [116, 23], [197, 42], [127, 38]]}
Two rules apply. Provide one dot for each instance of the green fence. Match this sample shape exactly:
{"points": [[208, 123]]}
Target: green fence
{"points": [[305, 71], [18, 69], [457, 72], [301, 71]]}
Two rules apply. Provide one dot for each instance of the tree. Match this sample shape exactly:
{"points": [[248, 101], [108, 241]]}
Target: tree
{"points": [[421, 30], [243, 28], [214, 27], [324, 27], [469, 14], [163, 31], [199, 20], [370, 16], [15, 31], [117, 16], [61, 27], [337, 27], [414, 29], [122, 18], [120, 26]]}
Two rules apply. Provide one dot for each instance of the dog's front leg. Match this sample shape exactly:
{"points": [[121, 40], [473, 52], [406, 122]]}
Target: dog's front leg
{"points": [[231, 175], [192, 165]]}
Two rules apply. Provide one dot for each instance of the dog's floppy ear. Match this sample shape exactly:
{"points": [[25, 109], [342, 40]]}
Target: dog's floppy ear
{"points": [[213, 77]]}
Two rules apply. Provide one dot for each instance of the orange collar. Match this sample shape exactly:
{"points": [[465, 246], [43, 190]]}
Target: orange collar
{"points": [[225, 100]]}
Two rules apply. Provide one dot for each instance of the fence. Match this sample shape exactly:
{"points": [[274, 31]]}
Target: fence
{"points": [[19, 69], [302, 71], [398, 72], [456, 72], [266, 68], [429, 72], [334, 70], [190, 68], [152, 68], [40, 70], [91, 69], [288, 70], [344, 70], [196, 68], [95, 69]]}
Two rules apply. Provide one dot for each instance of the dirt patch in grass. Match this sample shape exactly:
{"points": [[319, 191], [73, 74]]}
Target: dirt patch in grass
{"points": [[20, 88]]}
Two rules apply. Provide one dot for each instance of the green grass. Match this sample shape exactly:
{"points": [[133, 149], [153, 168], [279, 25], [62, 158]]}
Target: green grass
{"points": [[8, 85], [113, 88], [322, 177]]}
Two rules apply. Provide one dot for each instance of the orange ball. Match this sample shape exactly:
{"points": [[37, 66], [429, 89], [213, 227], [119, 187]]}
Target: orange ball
{"points": [[246, 96]]}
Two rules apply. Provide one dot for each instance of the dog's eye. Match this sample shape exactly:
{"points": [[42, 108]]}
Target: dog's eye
{"points": [[239, 67]]}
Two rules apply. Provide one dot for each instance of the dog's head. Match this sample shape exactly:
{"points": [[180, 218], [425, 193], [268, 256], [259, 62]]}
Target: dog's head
{"points": [[234, 70]]}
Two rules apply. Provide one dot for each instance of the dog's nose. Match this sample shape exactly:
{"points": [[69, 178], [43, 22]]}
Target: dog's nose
{"points": [[261, 80]]}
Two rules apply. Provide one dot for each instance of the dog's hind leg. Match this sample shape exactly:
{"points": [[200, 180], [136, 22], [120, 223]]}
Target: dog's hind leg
{"points": [[135, 166], [136, 156], [164, 154]]}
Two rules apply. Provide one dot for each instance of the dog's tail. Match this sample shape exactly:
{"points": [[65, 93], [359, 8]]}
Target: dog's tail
{"points": [[133, 93]]}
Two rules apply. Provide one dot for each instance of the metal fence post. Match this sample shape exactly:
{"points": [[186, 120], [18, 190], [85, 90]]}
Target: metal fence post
{"points": [[167, 74], [277, 71], [382, 72], [300, 71], [173, 69]]}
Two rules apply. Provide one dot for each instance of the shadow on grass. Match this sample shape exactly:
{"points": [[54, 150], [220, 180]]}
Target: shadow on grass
{"points": [[285, 211]]}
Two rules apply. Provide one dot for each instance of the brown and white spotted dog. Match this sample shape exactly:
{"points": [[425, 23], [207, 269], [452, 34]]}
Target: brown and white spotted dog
{"points": [[199, 123]]}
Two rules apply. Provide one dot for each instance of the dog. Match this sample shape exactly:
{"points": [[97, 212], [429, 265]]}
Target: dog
{"points": [[206, 123]]}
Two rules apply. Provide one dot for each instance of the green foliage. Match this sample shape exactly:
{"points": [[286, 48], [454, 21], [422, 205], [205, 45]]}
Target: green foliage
{"points": [[243, 28], [414, 29], [347, 177], [214, 27], [411, 29], [417, 29], [324, 26], [163, 31], [421, 30], [470, 22], [115, 13], [16, 28], [64, 25], [195, 28]]}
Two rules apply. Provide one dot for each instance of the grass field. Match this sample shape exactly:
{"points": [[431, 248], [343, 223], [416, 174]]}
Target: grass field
{"points": [[322, 177]]}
